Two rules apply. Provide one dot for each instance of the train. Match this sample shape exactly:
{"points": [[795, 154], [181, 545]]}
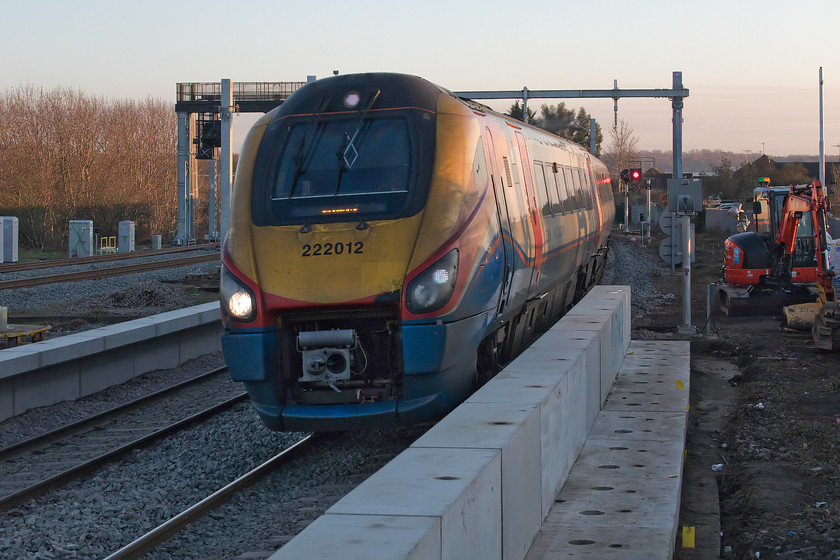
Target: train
{"points": [[391, 246]]}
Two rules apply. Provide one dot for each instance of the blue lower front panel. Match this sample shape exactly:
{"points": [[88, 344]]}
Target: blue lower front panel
{"points": [[250, 355], [439, 373]]}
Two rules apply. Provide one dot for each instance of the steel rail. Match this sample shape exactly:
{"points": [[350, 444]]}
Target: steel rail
{"points": [[143, 545], [54, 434], [56, 480], [106, 272], [50, 263]]}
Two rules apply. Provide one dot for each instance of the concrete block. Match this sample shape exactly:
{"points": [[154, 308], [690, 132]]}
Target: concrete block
{"points": [[197, 342], [620, 543], [601, 324], [165, 355], [174, 321], [14, 361], [123, 334], [371, 537], [44, 387], [7, 400], [563, 415], [616, 301], [209, 312], [100, 371], [68, 348], [514, 430], [552, 361], [590, 343], [631, 425], [461, 487]]}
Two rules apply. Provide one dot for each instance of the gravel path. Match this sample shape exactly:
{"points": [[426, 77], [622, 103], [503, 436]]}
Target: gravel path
{"points": [[640, 268]]}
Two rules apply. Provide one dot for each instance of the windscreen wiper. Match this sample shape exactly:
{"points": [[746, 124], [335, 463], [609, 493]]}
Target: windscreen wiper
{"points": [[305, 151], [346, 157]]}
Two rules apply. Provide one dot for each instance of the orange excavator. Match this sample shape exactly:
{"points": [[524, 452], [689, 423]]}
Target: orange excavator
{"points": [[781, 265]]}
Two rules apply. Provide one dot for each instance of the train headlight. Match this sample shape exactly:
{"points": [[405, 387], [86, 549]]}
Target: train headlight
{"points": [[432, 288], [237, 299]]}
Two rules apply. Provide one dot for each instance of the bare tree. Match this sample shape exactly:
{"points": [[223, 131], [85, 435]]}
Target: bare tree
{"points": [[621, 150], [68, 155]]}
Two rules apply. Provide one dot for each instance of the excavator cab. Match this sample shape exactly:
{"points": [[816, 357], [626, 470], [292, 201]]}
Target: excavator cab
{"points": [[777, 263], [781, 266]]}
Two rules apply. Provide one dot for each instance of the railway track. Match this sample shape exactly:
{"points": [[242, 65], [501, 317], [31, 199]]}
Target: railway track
{"points": [[50, 460], [141, 546], [106, 272], [52, 263]]}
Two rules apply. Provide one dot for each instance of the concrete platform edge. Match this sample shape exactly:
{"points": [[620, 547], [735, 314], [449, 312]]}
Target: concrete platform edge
{"points": [[76, 365]]}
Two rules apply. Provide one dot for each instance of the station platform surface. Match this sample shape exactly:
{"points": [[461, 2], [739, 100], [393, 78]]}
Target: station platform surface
{"points": [[621, 499]]}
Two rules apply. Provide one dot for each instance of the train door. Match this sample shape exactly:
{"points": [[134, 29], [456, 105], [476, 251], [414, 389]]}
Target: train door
{"points": [[505, 230], [533, 214]]}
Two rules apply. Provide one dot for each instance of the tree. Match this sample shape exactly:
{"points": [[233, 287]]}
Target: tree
{"points": [[621, 150], [68, 155], [723, 182], [562, 121], [515, 111], [569, 124]]}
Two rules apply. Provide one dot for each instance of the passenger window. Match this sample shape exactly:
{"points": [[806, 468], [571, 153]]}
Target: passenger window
{"points": [[542, 194], [551, 186], [570, 188], [564, 185], [587, 189], [579, 201]]}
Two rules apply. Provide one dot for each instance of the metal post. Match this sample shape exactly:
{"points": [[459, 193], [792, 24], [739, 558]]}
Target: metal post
{"points": [[686, 328], [226, 113], [709, 301], [822, 143], [649, 217], [677, 105], [212, 234], [626, 206], [525, 104], [615, 106], [183, 176], [592, 129]]}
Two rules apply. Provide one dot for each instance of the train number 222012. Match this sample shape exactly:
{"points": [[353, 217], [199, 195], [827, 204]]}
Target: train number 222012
{"points": [[324, 249]]}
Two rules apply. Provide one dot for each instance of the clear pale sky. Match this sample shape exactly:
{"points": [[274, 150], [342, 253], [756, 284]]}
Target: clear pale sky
{"points": [[752, 67]]}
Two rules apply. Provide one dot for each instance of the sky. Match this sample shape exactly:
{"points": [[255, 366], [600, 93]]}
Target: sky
{"points": [[751, 67]]}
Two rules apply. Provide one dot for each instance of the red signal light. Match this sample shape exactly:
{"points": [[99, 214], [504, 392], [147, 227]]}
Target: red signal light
{"points": [[635, 174]]}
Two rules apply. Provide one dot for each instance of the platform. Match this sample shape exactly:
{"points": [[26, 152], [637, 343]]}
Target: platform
{"points": [[622, 497]]}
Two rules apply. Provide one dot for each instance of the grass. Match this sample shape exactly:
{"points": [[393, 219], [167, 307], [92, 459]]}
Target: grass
{"points": [[33, 255]]}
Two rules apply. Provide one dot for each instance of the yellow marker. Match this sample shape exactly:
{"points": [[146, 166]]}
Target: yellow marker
{"points": [[679, 384], [688, 537], [673, 476]]}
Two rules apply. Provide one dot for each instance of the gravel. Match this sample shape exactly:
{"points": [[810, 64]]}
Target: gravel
{"points": [[106, 293], [98, 514], [640, 267]]}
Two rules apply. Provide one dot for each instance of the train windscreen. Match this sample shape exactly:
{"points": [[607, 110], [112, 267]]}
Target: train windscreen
{"points": [[343, 157], [328, 168]]}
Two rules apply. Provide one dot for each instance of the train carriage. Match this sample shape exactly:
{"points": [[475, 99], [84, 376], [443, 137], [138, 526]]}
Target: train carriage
{"points": [[392, 245]]}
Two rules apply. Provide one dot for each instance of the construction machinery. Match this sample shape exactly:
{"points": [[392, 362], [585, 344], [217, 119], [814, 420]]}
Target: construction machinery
{"points": [[781, 265]]}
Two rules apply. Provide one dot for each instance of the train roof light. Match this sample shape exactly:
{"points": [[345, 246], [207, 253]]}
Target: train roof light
{"points": [[351, 100]]}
